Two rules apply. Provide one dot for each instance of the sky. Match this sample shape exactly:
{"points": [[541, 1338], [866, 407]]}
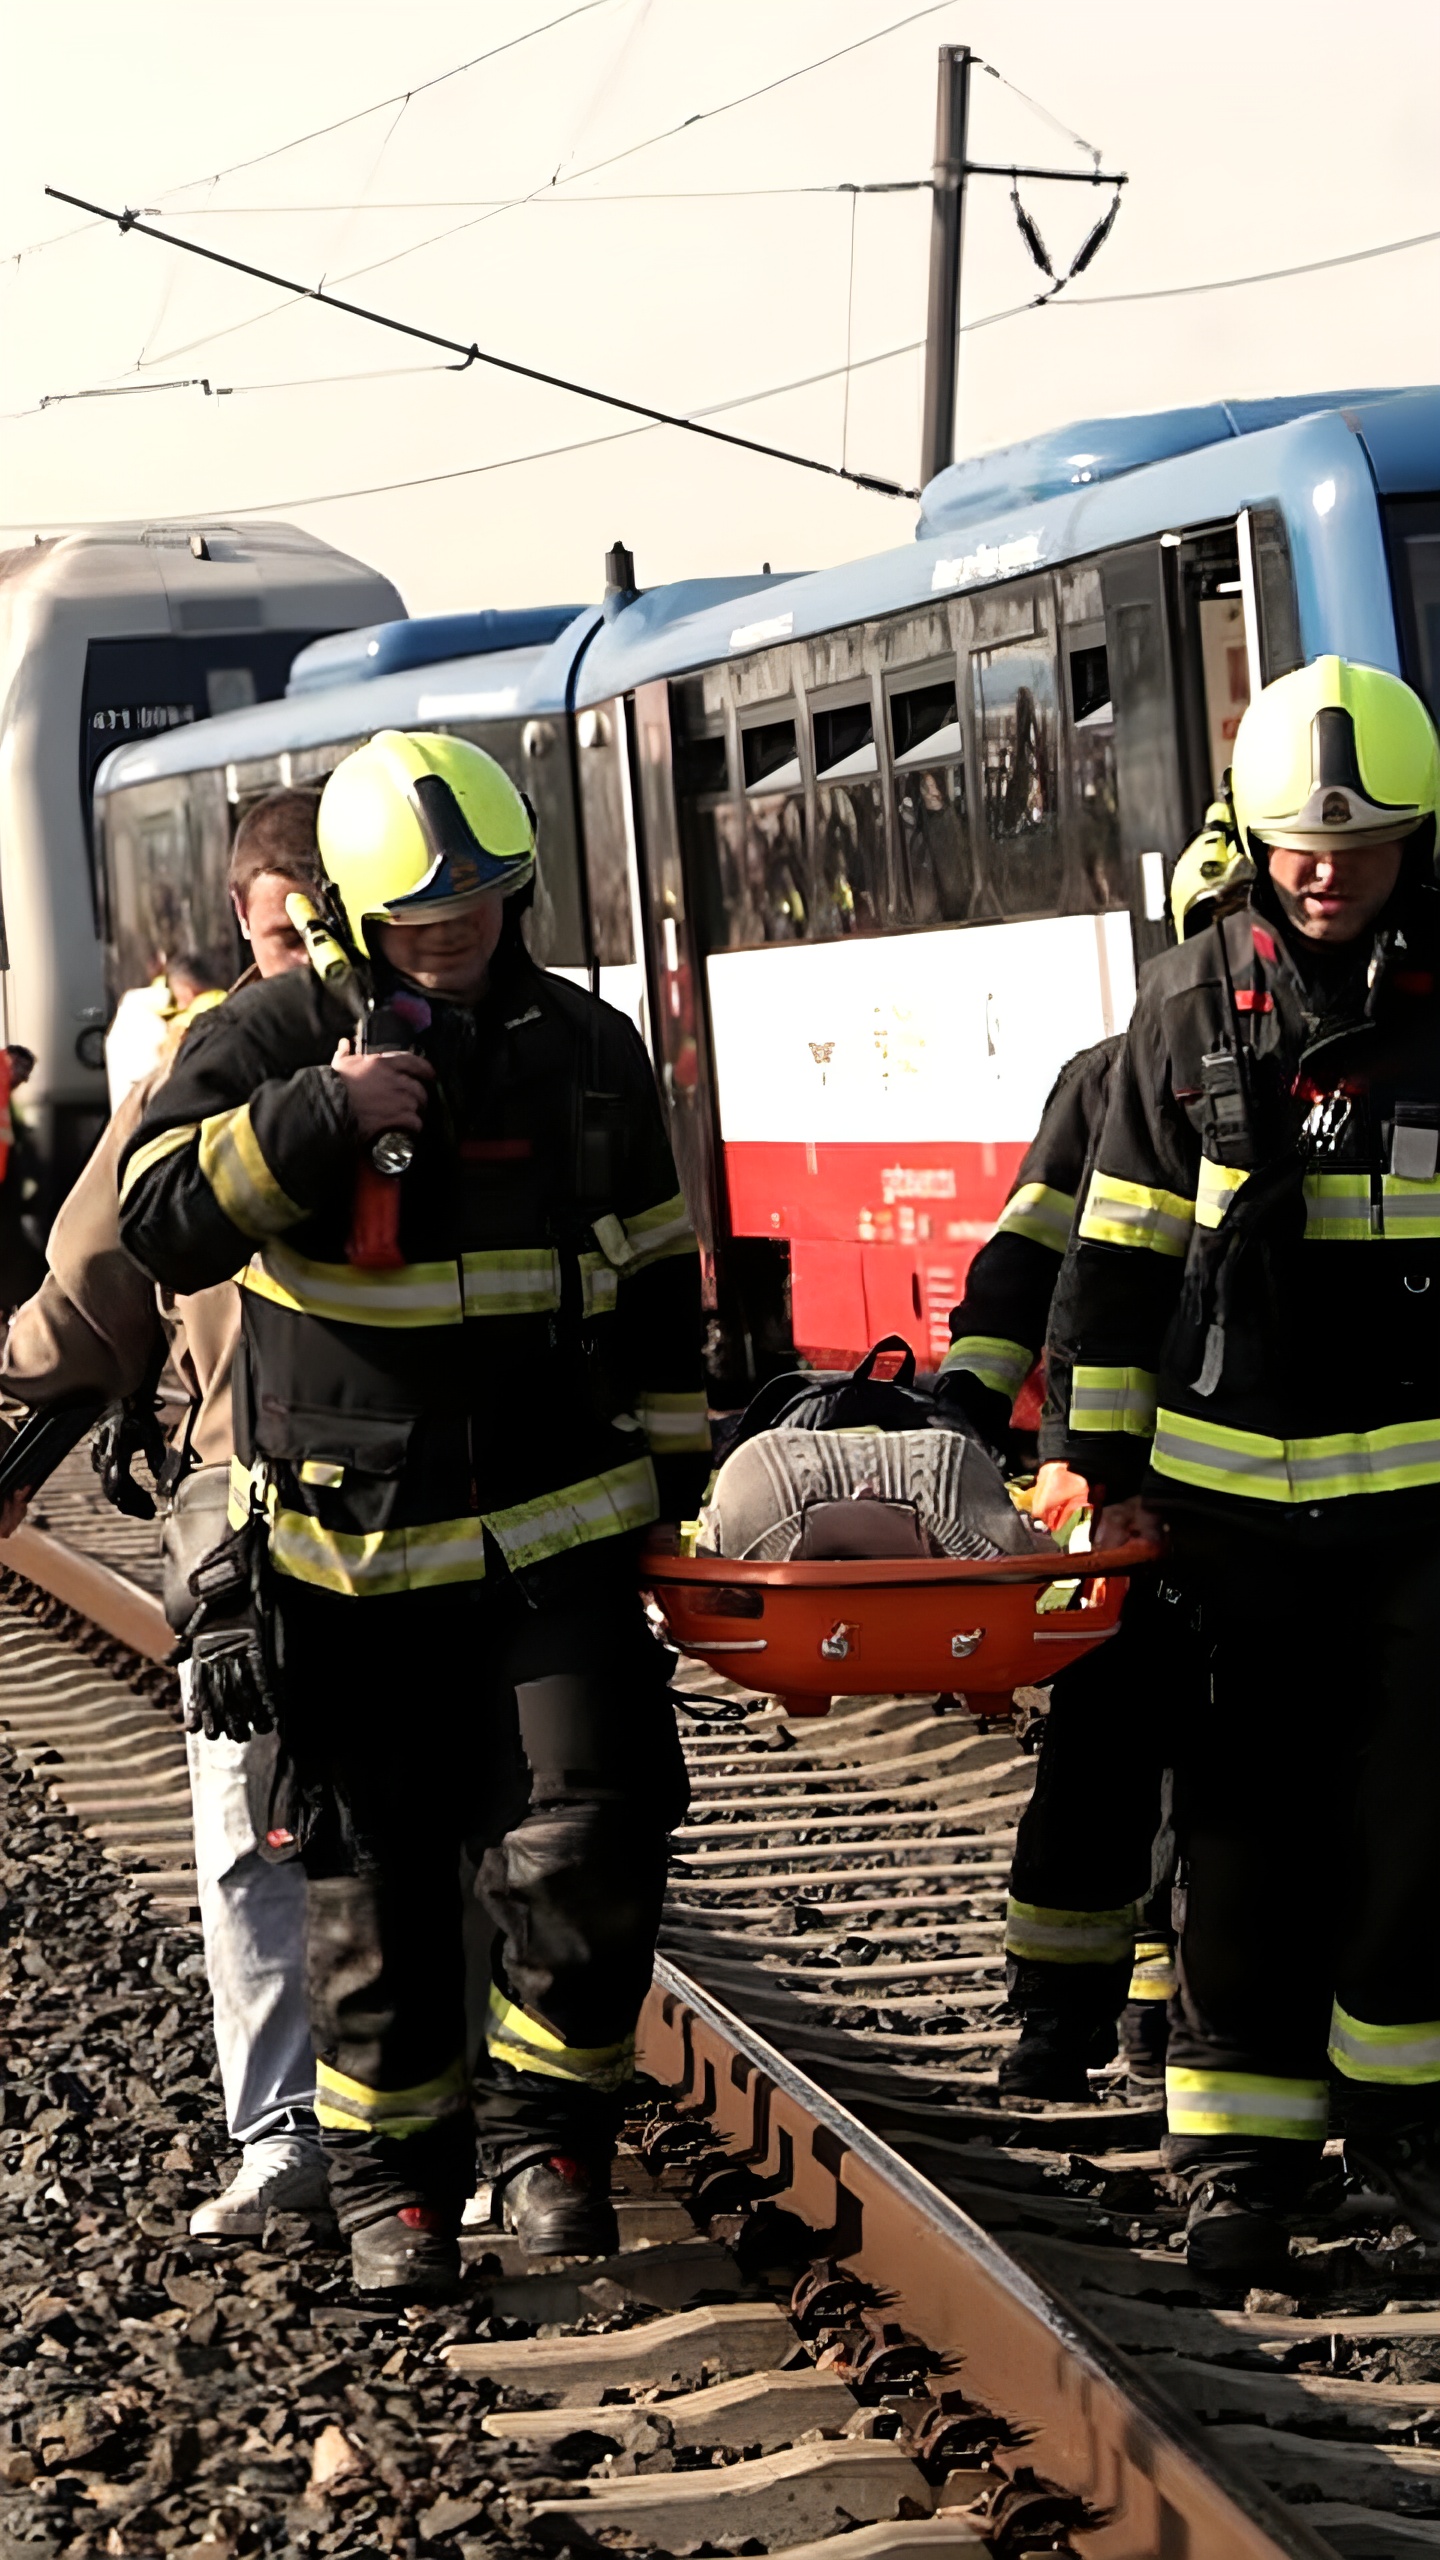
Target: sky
{"points": [[599, 196]]}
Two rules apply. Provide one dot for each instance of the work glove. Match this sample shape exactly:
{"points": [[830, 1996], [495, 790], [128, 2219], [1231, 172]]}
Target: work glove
{"points": [[232, 1687]]}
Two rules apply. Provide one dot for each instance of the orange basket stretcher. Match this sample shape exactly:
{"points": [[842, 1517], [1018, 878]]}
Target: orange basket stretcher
{"points": [[809, 1632]]}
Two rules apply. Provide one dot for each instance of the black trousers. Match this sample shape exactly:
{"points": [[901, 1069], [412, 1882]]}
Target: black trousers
{"points": [[1307, 1808], [1092, 1854], [528, 1725]]}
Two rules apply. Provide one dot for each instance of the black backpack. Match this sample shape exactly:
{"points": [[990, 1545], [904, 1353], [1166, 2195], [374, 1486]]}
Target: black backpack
{"points": [[846, 1400]]}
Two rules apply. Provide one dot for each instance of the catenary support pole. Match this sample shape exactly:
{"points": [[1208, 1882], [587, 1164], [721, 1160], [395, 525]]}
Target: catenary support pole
{"points": [[947, 234]]}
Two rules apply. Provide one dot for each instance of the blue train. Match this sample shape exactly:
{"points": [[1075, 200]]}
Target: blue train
{"points": [[867, 852]]}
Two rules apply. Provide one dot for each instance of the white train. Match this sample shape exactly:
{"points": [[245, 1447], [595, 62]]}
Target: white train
{"points": [[109, 635]]}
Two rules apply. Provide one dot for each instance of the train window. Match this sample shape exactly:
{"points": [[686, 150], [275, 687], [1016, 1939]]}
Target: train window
{"points": [[771, 756], [1094, 871], [761, 864], [702, 767], [166, 851], [849, 821], [937, 873], [600, 738], [1090, 702], [535, 755], [1015, 719]]}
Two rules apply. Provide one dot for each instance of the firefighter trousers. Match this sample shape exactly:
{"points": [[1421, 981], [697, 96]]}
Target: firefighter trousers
{"points": [[527, 1727], [1088, 1918], [1307, 1807]]}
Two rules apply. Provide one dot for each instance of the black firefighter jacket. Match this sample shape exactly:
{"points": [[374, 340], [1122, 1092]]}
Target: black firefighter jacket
{"points": [[1248, 1322], [998, 1330], [531, 1370]]}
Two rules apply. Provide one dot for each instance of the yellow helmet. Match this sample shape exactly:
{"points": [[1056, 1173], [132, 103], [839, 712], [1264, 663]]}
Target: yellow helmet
{"points": [[1213, 867], [1335, 754], [414, 826]]}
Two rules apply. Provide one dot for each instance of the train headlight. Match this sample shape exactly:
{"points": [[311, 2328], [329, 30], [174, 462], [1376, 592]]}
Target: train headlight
{"points": [[90, 1046]]}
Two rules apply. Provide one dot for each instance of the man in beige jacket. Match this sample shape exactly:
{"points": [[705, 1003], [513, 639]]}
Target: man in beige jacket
{"points": [[98, 1323]]}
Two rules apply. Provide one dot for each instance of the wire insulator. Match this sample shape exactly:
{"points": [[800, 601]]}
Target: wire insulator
{"points": [[1030, 234]]}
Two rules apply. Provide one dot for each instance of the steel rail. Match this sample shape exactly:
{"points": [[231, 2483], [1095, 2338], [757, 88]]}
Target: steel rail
{"points": [[1091, 2422], [92, 1589]]}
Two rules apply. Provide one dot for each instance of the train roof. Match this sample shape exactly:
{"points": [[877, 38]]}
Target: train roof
{"points": [[1065, 495], [389, 648]]}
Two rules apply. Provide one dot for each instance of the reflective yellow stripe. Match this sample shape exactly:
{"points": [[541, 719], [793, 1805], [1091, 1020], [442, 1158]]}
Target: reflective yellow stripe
{"points": [[1243, 2102], [323, 1472], [369, 1564], [652, 1235], [243, 1481], [521, 1280], [1217, 1188], [1112, 1400], [1406, 2056], [1133, 1213], [1034, 1210], [349, 2106], [675, 1424], [1410, 1209], [518, 1281], [599, 1285], [1044, 1936], [418, 1294], [1000, 1365], [1223, 1460], [153, 1152], [1339, 1209], [513, 2036], [602, 1506], [1154, 1974], [239, 1177]]}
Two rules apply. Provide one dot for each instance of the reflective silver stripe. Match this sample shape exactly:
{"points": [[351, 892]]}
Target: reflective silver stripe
{"points": [[603, 1506], [1408, 2055], [519, 1281], [1393, 1459], [417, 1295], [1217, 1186], [1001, 1365], [369, 1564], [1136, 1213], [1068, 1937], [1229, 2102], [514, 2037], [675, 1422], [1112, 1400], [652, 1235], [1043, 1215], [241, 1182], [1340, 1209]]}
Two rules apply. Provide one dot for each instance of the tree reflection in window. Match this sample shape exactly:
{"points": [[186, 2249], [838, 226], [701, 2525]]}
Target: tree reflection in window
{"points": [[1015, 716], [850, 823], [937, 874]]}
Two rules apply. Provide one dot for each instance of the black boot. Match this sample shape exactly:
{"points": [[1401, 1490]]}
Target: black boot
{"points": [[412, 2255], [1401, 2157], [1233, 2229], [1054, 2055], [1144, 2034], [559, 2207]]}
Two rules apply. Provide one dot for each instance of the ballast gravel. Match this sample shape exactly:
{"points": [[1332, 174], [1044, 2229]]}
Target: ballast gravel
{"points": [[160, 2394]]}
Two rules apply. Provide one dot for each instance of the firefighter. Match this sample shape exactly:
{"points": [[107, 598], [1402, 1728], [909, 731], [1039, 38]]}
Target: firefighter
{"points": [[470, 1383], [95, 1324], [1087, 1930], [1245, 1342]]}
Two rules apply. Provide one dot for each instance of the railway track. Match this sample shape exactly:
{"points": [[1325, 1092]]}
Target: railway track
{"points": [[855, 2296]]}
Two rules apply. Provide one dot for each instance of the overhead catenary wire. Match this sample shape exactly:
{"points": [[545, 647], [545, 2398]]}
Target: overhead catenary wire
{"points": [[474, 354], [338, 124]]}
